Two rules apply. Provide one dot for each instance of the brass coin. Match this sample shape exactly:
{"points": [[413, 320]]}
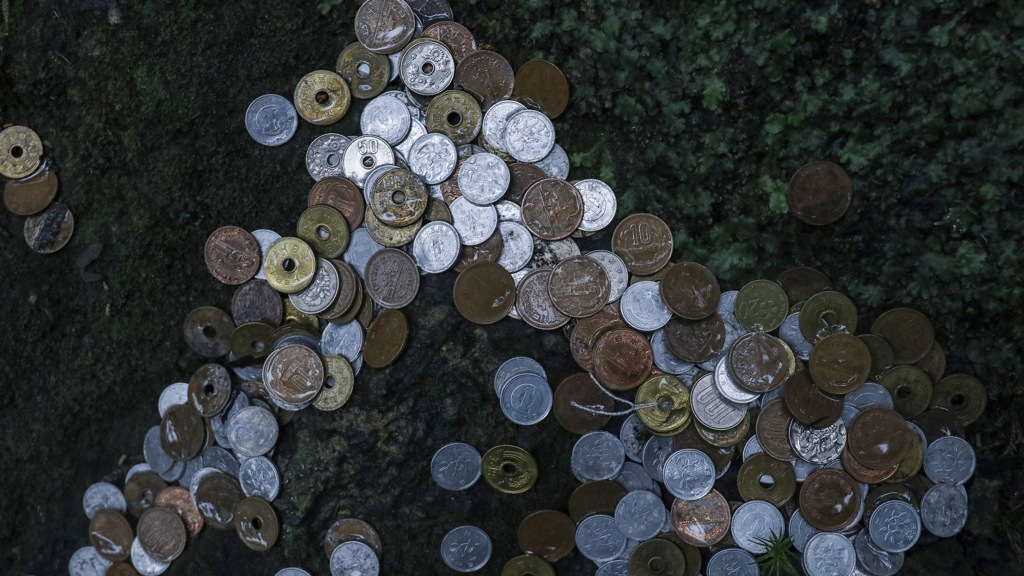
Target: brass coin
{"points": [[911, 463], [179, 500], [20, 152], [521, 177], [455, 36], [963, 395], [484, 292], [293, 375], [252, 340], [862, 473], [937, 423], [339, 383], [256, 523], [671, 399], [141, 490], [293, 317], [385, 339], [456, 115], [31, 195], [547, 533], [622, 359], [527, 566], [437, 210], [690, 552], [342, 195], [256, 301], [934, 362], [398, 198], [762, 477], [908, 331], [541, 85], [579, 287], [209, 389], [552, 209], [351, 530], [588, 331], [487, 76], [111, 535], [533, 303], [208, 331], [509, 469], [162, 534], [760, 362], [324, 229], [829, 499], [217, 496], [878, 438], [182, 432], [772, 429], [809, 404], [579, 388], [690, 437], [827, 310], [762, 305], [322, 97], [911, 389], [50, 230], [390, 236], [695, 340], [385, 26], [644, 242], [819, 193], [488, 251], [392, 279], [881, 353], [690, 290], [596, 497], [289, 265], [366, 72], [725, 438], [840, 363], [657, 557], [801, 282], [232, 255], [702, 522]]}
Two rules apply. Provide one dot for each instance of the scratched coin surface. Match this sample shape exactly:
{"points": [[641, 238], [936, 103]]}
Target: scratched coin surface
{"points": [[271, 120], [640, 515], [894, 526], [552, 209], [385, 26], [526, 399], [391, 278], [644, 242]]}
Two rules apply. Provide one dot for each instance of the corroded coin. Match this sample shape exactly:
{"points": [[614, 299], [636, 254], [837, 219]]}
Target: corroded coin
{"points": [[547, 533], [391, 236], [702, 522], [644, 242], [209, 389], [162, 534], [484, 292], [963, 395], [657, 557], [911, 389], [366, 72], [573, 396], [760, 362], [690, 290], [696, 340], [840, 363], [256, 523], [289, 265], [455, 36], [826, 311], [533, 303], [179, 500], [772, 429], [529, 136], [254, 301], [352, 530], [671, 399], [487, 76], [385, 339], [398, 198], [509, 469], [596, 497], [455, 114], [321, 293], [111, 535], [20, 152], [762, 305], [542, 86], [385, 26], [879, 438], [579, 287], [293, 375], [50, 230], [342, 195], [762, 477], [391, 278], [908, 331], [830, 500], [216, 496], [809, 404], [324, 229], [588, 331], [32, 194], [552, 209], [339, 382], [819, 193], [207, 331], [322, 97], [622, 359]]}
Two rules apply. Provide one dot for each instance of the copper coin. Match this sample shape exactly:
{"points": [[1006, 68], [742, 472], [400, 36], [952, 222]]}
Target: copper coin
{"points": [[162, 534], [50, 230], [762, 477], [878, 438], [657, 276], [691, 438], [937, 423], [690, 290], [488, 251], [342, 195], [588, 331], [533, 304], [385, 26], [391, 278], [522, 176], [772, 428], [182, 432], [644, 242], [141, 490], [840, 363], [547, 533], [829, 499], [692, 553], [457, 115], [911, 389], [809, 404], [365, 315], [33, 194], [256, 301], [801, 282], [366, 72], [178, 499], [552, 209], [579, 286], [121, 569], [232, 255], [348, 289], [657, 558], [934, 362], [962, 394], [455, 36], [450, 188], [293, 374], [484, 292], [351, 530], [385, 339], [111, 535], [487, 76], [208, 330], [579, 388], [695, 340], [819, 193], [862, 473], [597, 497], [252, 340], [209, 389], [908, 331], [398, 197], [881, 353], [702, 522], [216, 497], [622, 359], [256, 523], [541, 85], [760, 362]]}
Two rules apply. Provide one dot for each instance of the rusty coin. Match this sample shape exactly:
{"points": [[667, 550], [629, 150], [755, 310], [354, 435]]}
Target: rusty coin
{"points": [[552, 209], [391, 278], [908, 331], [819, 193], [256, 523], [772, 429], [760, 362], [178, 500], [644, 242], [33, 194], [455, 36], [830, 499], [596, 497], [232, 255], [801, 282], [963, 395], [182, 432], [367, 73], [342, 195], [547, 533], [252, 340], [385, 26], [702, 522], [385, 339], [541, 85], [111, 535], [398, 198], [208, 330], [351, 530], [141, 490], [840, 363], [878, 438], [456, 115], [322, 97], [487, 76], [911, 389], [293, 375], [390, 236], [809, 404], [533, 304], [484, 292], [209, 389], [588, 331], [256, 301], [690, 290], [50, 230], [579, 287], [580, 389], [162, 534], [216, 497], [695, 340], [622, 359]]}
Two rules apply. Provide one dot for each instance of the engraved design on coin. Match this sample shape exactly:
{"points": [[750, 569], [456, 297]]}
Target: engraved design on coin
{"points": [[103, 496], [711, 409], [253, 431], [598, 538], [599, 204], [455, 466], [755, 520], [949, 459], [642, 307], [526, 399], [656, 451], [324, 155], [597, 456], [436, 247], [88, 562], [483, 178], [529, 135], [271, 120], [818, 445], [496, 120], [555, 164], [640, 515], [829, 554], [517, 246], [466, 549], [360, 247], [363, 155], [385, 116], [689, 474], [427, 67], [433, 157], [259, 477], [475, 224], [873, 559], [351, 558], [732, 562], [634, 436], [944, 510], [894, 526], [320, 294]]}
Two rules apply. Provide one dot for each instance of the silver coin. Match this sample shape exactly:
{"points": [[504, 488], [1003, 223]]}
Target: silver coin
{"points": [[634, 436], [172, 395], [664, 359], [613, 568], [599, 204], [599, 539], [259, 477], [455, 466], [88, 562], [436, 247], [433, 158], [818, 445], [360, 247], [137, 469], [597, 455], [728, 387], [354, 559], [618, 276], [803, 468], [363, 155], [517, 249], [656, 451], [271, 120], [633, 477], [253, 431], [373, 176], [800, 530], [265, 238], [949, 459], [145, 564], [387, 118], [642, 307], [292, 572], [427, 67], [416, 112], [849, 415], [526, 399], [732, 562], [153, 451], [220, 459], [404, 148], [753, 446], [496, 120], [894, 526], [875, 560], [343, 340], [829, 554], [756, 520], [509, 211], [103, 496], [640, 515], [711, 409], [474, 223], [529, 136], [689, 474], [513, 367], [727, 312], [467, 150], [321, 292], [174, 473], [483, 179], [324, 156], [920, 434], [869, 395], [466, 549], [191, 468], [944, 510], [555, 164], [790, 333]]}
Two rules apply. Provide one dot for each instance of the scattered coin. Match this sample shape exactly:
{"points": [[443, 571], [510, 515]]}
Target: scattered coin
{"points": [[819, 193]]}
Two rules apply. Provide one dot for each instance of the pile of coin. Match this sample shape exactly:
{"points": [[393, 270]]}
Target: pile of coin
{"points": [[30, 189]]}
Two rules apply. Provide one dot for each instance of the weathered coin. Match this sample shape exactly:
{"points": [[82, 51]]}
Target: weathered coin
{"points": [[21, 151], [701, 522], [732, 562], [529, 136], [911, 389], [342, 195], [862, 473], [256, 523], [644, 242], [385, 26], [483, 179], [944, 509], [555, 164], [258, 476], [391, 278], [819, 193], [908, 331], [800, 530], [207, 331], [663, 404], [963, 395], [427, 67], [879, 438], [354, 558], [417, 130], [533, 302], [351, 530], [162, 534], [466, 549], [433, 157], [252, 431], [339, 382], [773, 430], [271, 120], [949, 460], [216, 495], [552, 209], [689, 474], [322, 291], [711, 409], [762, 305], [790, 333], [830, 499], [894, 526], [690, 290], [391, 236], [829, 554], [809, 404], [827, 311], [324, 154], [542, 86], [598, 538], [728, 387], [50, 230], [579, 405], [88, 562], [253, 301], [455, 114], [578, 286], [209, 389], [182, 432], [762, 477], [455, 36], [509, 469], [818, 445], [387, 118], [622, 359], [873, 559], [597, 456], [754, 523], [492, 131], [655, 557], [32, 194], [484, 293], [643, 308], [664, 359], [103, 496], [324, 229], [111, 535], [759, 362], [882, 355], [398, 197], [293, 375], [322, 97], [695, 340], [141, 489], [547, 533], [486, 75], [179, 500], [366, 72], [145, 564], [290, 265]]}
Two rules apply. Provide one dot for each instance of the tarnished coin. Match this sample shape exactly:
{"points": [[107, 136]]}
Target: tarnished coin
{"points": [[862, 473], [398, 198], [642, 307], [908, 331], [354, 558], [366, 72], [363, 155], [827, 311], [809, 404], [20, 152], [456, 466], [579, 405], [466, 549], [801, 282], [322, 97], [232, 255], [455, 114], [597, 456], [644, 242], [689, 474], [486, 75], [615, 268], [933, 362], [322, 291], [323, 157], [588, 331], [702, 522], [542, 86], [509, 469], [622, 359], [552, 209], [695, 340], [455, 36], [324, 229], [829, 554], [352, 530], [391, 278], [254, 301], [111, 535], [50, 230], [819, 193], [271, 120], [386, 117], [830, 499], [522, 177], [433, 157], [103, 496], [657, 557], [547, 533], [894, 526], [670, 411], [598, 538], [598, 497], [911, 389], [385, 26], [179, 500], [944, 510], [339, 382], [216, 496], [711, 409], [579, 287], [484, 292], [162, 534], [690, 290], [427, 67], [208, 331], [252, 431], [476, 225], [533, 302], [492, 131], [882, 355], [762, 305], [32, 194], [209, 389], [390, 236], [256, 523], [385, 339], [141, 490], [293, 375], [762, 477], [963, 395], [182, 432], [527, 565], [759, 362]]}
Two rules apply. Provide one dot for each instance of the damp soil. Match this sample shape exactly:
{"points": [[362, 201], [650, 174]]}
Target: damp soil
{"points": [[141, 106]]}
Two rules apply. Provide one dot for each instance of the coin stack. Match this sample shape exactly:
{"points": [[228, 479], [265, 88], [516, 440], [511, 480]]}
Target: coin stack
{"points": [[31, 187]]}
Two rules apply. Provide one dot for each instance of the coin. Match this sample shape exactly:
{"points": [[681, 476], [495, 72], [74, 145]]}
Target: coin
{"points": [[32, 194], [486, 75], [533, 304], [208, 331], [702, 522], [690, 291], [963, 395], [597, 497], [882, 355], [689, 474], [657, 557], [324, 229], [527, 565], [547, 533], [386, 117], [209, 389], [465, 549], [256, 523], [111, 535], [271, 120], [289, 265], [391, 278], [911, 463], [830, 499], [840, 363], [725, 438], [642, 307], [20, 152], [826, 311], [339, 382], [908, 331], [773, 430], [391, 236], [863, 473], [644, 242], [179, 500], [711, 409], [50, 230], [950, 460], [455, 114], [670, 412], [934, 362], [293, 375], [484, 292], [433, 157], [819, 193], [542, 86], [342, 195], [509, 469], [818, 445], [938, 423], [253, 301], [762, 477], [895, 526], [827, 553], [911, 389], [161, 534], [801, 282], [598, 539], [385, 26], [879, 438], [352, 530], [427, 67], [552, 209], [575, 393], [365, 154], [622, 359], [232, 255], [182, 432], [695, 341], [456, 466], [597, 456], [366, 73], [762, 305], [529, 136], [809, 404], [944, 510], [216, 495], [759, 362]]}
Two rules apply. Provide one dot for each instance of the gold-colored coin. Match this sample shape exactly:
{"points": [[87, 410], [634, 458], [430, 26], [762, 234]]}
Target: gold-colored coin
{"points": [[912, 462], [657, 557], [671, 412], [294, 316], [762, 477], [762, 305], [324, 229], [527, 565], [339, 382], [437, 210], [367, 73], [20, 152], [390, 236], [398, 198], [509, 469], [252, 340], [289, 265], [725, 438], [322, 97], [961, 394], [911, 389], [456, 115], [826, 312]]}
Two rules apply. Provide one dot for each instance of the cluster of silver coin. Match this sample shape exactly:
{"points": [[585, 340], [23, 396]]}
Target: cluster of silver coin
{"points": [[523, 391]]}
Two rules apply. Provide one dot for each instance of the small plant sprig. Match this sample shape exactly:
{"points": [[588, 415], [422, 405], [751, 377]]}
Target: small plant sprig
{"points": [[778, 557]]}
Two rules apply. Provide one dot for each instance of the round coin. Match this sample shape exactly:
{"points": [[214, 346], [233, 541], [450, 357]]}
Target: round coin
{"points": [[339, 383], [455, 114], [963, 395], [754, 523], [598, 538], [702, 522], [830, 499], [622, 359], [579, 405], [290, 265], [689, 474], [541, 85], [322, 97], [762, 305], [908, 331], [466, 549], [161, 534], [644, 242], [840, 363], [509, 469], [32, 194], [487, 76], [762, 477], [547, 533], [695, 340], [385, 339], [256, 523], [324, 229], [354, 558], [50, 230], [456, 466], [271, 120], [208, 331], [759, 362], [484, 292], [690, 291], [20, 152], [385, 26], [391, 278], [366, 72], [663, 403], [828, 554], [111, 535], [533, 302], [527, 565], [351, 530], [894, 526], [552, 209], [819, 193]]}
